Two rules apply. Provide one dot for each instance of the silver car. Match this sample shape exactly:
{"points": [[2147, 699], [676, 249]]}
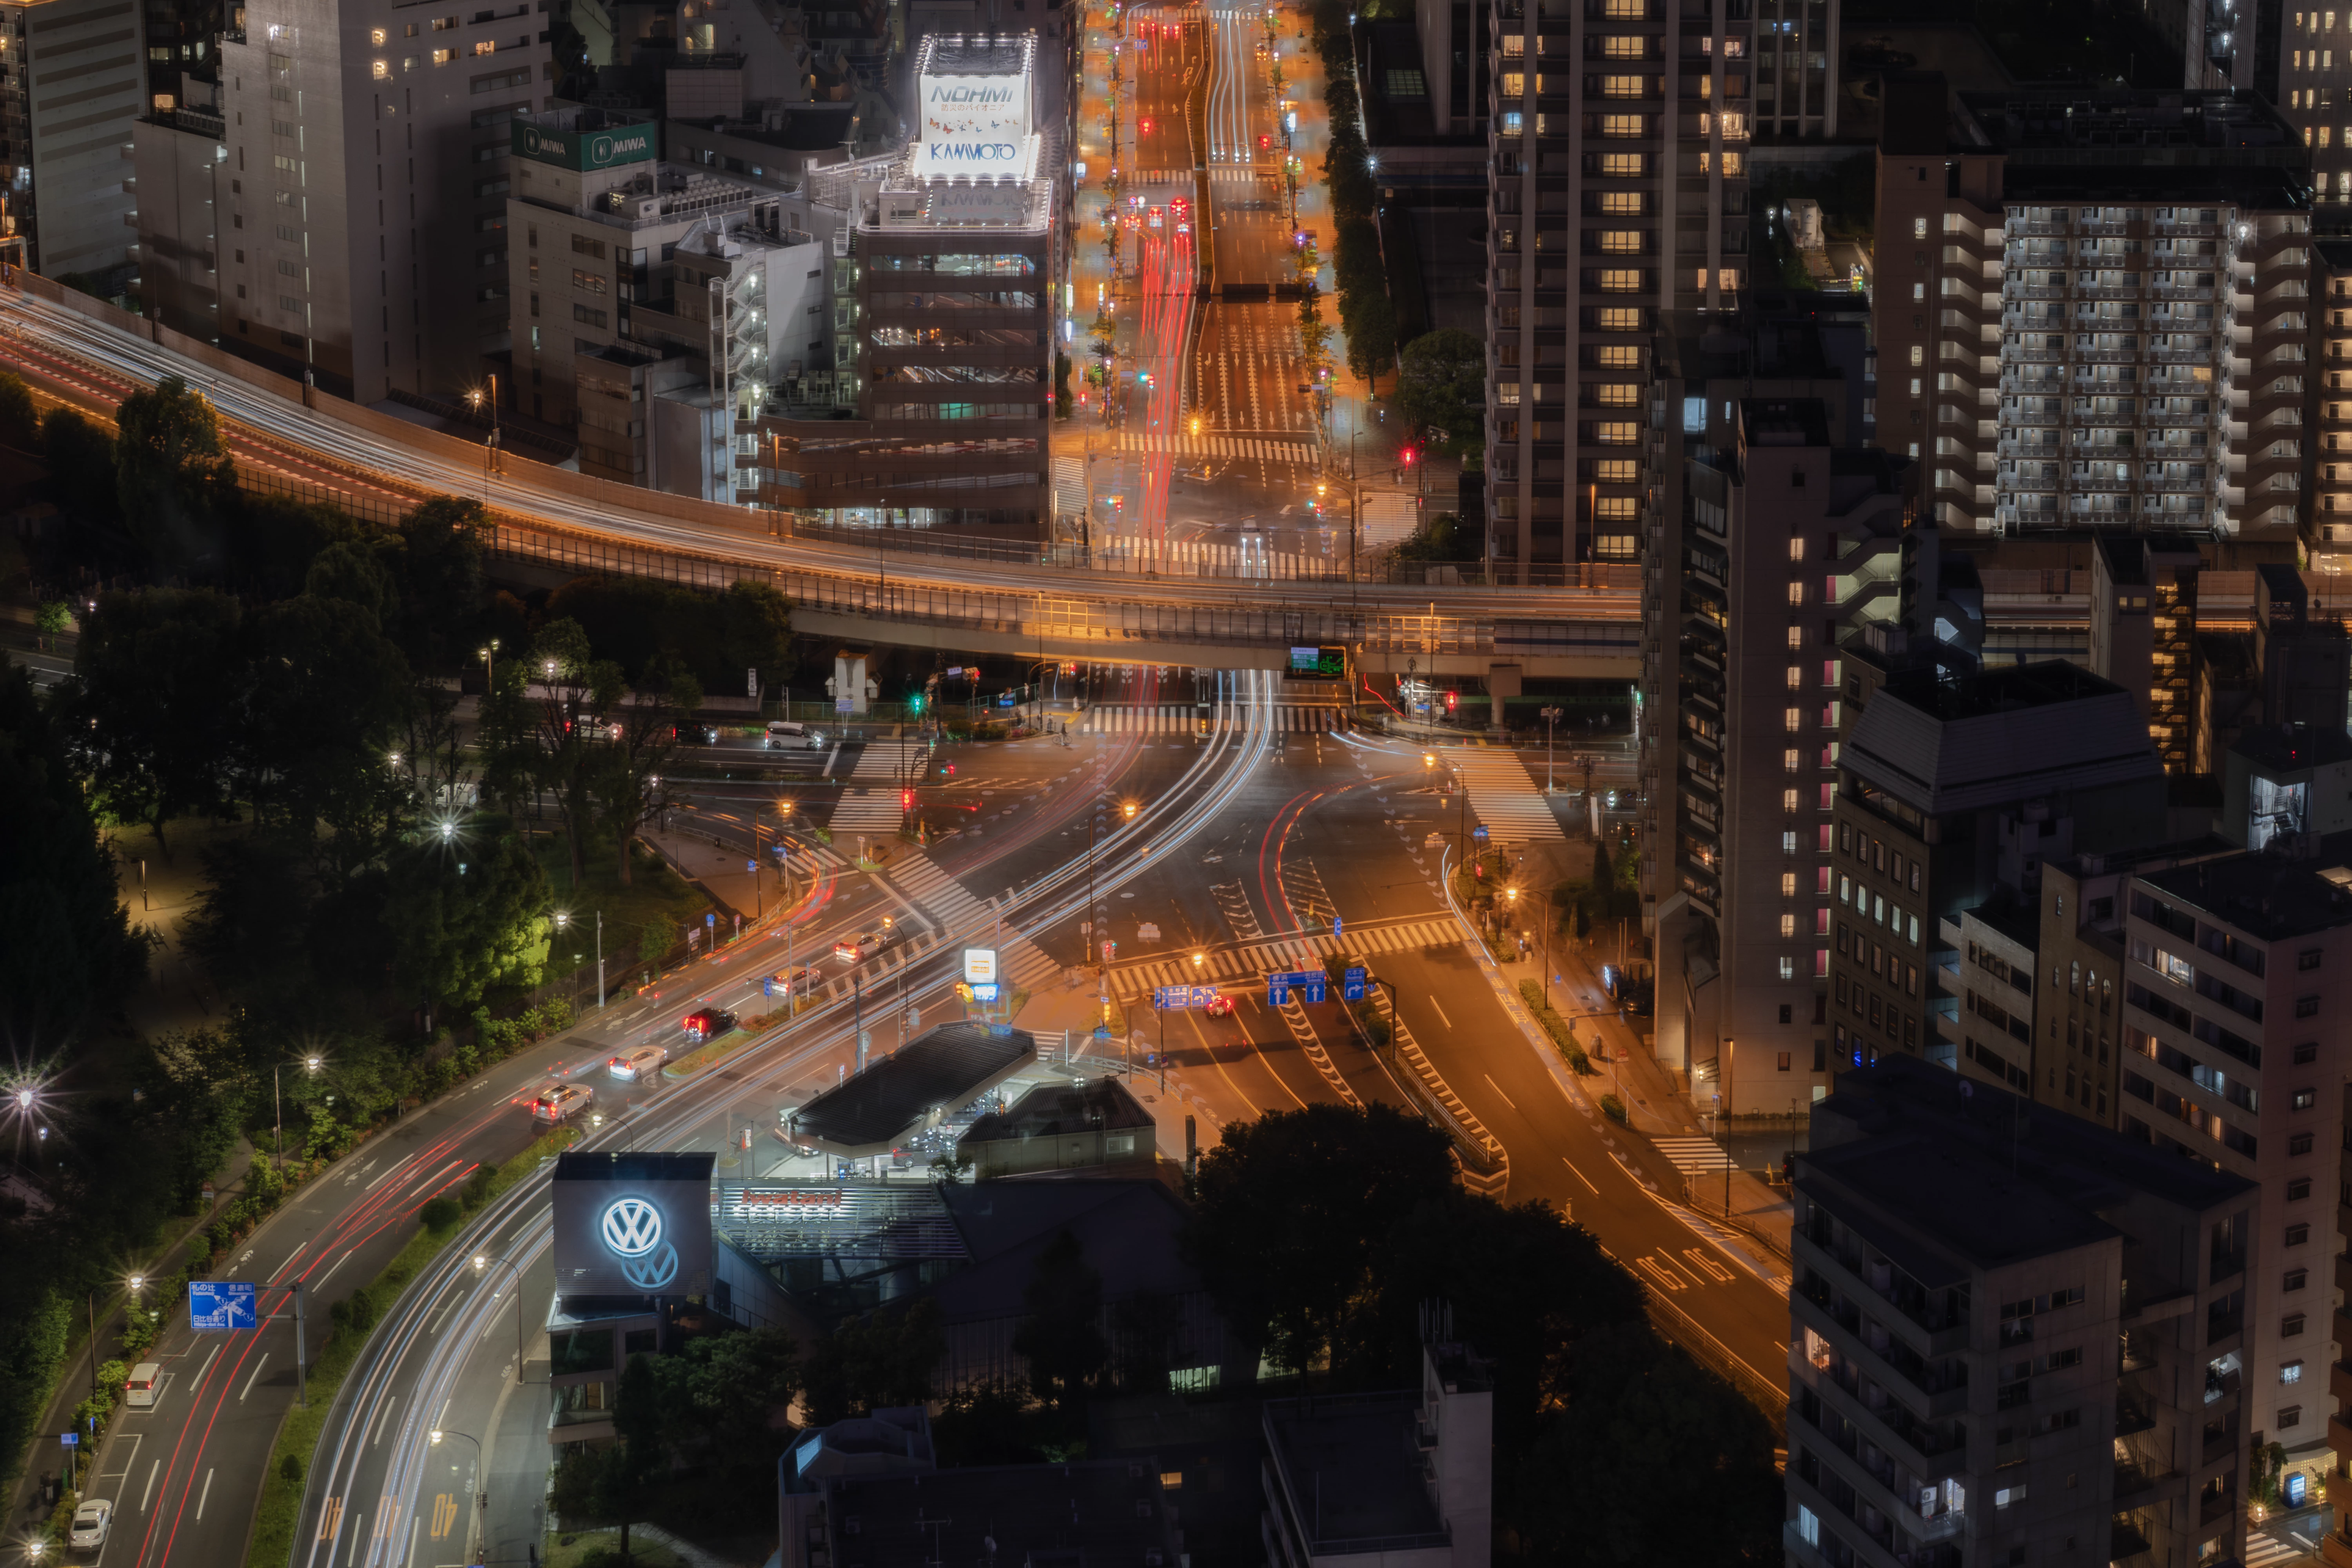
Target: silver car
{"points": [[91, 1521]]}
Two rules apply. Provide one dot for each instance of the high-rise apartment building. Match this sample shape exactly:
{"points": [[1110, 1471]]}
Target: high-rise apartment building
{"points": [[71, 85], [1796, 71], [2092, 311], [2313, 90], [2237, 980], [1773, 542], [359, 236], [2327, 413], [2016, 1339], [1950, 791], [1620, 132]]}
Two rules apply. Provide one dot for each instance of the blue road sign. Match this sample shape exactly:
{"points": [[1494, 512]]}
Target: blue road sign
{"points": [[709, 920], [1479, 833], [69, 1439], [753, 867], [1004, 700], [219, 1306], [1202, 995], [1179, 998], [1308, 982], [777, 850], [1351, 985], [987, 991], [1335, 925], [768, 985]]}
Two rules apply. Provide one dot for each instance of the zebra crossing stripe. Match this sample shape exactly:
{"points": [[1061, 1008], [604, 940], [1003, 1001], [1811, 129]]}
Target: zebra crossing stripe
{"points": [[1693, 1156]]}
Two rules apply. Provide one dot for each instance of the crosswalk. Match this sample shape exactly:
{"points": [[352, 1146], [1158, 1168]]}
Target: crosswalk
{"points": [[886, 759], [1390, 517], [865, 811], [1175, 719], [1251, 960], [1504, 797], [1240, 449], [1203, 557], [954, 910], [1240, 173], [1693, 1156]]}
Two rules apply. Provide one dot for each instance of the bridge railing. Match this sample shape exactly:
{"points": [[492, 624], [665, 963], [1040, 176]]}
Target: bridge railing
{"points": [[1063, 619]]}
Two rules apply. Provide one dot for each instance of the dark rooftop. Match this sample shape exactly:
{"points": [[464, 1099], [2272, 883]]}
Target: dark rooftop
{"points": [[1053, 1109], [975, 54], [2268, 895], [1784, 422], [2022, 923], [1992, 1179], [1128, 1230], [2287, 748], [945, 1067], [1107, 1511], [1965, 742], [1352, 1465], [622, 1166]]}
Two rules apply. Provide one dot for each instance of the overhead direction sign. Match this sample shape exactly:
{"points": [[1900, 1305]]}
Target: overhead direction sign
{"points": [[1179, 998], [1351, 983], [219, 1305], [1309, 983]]}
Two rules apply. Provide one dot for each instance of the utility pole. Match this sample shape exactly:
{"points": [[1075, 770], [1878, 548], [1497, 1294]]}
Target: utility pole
{"points": [[1550, 718]]}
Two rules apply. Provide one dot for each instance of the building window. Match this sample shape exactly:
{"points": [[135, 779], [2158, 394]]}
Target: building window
{"points": [[2306, 1006], [1787, 969], [444, 57], [2291, 1372], [1789, 921], [2291, 1326], [2296, 1234], [2299, 1144], [1788, 844], [2307, 959], [2289, 1415], [2305, 1099], [2295, 1279], [2299, 1189]]}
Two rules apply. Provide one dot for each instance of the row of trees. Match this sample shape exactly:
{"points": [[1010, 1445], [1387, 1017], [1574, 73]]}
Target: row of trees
{"points": [[1368, 317]]}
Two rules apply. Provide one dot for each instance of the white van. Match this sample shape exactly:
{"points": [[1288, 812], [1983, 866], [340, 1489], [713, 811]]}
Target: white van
{"points": [[146, 1381], [787, 734]]}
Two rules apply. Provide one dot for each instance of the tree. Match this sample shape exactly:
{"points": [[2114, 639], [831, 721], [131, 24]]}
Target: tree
{"points": [[623, 767], [158, 681], [1644, 1430], [70, 950], [1291, 1210], [1371, 328], [1441, 386], [81, 482], [464, 916], [1061, 1337], [437, 571], [20, 421], [326, 702], [722, 1400], [173, 476], [886, 1358]]}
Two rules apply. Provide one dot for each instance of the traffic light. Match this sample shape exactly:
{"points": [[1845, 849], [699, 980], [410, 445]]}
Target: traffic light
{"points": [[915, 704], [1263, 141], [1453, 700], [1408, 455], [906, 800], [1147, 127]]}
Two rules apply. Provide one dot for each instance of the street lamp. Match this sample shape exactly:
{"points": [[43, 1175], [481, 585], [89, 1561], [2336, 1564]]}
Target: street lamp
{"points": [[482, 1499], [311, 1064], [482, 1262], [489, 672], [1550, 717]]}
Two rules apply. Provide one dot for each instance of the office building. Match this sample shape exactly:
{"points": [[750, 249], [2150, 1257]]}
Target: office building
{"points": [[647, 296], [1636, 116], [2327, 413], [1458, 63], [2311, 82], [1782, 544], [1950, 791], [2092, 311], [2231, 1001], [2015, 1338], [944, 306], [182, 204], [358, 223], [64, 196], [2305, 661]]}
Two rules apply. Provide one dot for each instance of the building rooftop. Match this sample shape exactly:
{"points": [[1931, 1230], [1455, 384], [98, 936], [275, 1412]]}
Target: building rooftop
{"points": [[976, 54], [940, 1070], [2006, 915], [2135, 125], [2274, 894], [1980, 1177], [1052, 1109], [1783, 422], [2001, 735], [1129, 1231], [1351, 1463], [2289, 748], [1110, 1512]]}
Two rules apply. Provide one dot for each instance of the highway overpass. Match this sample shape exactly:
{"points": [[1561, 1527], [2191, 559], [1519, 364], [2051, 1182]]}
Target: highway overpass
{"points": [[977, 603]]}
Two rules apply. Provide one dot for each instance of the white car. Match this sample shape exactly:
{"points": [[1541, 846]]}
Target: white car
{"points": [[558, 1101], [856, 950], [91, 1521], [638, 1063]]}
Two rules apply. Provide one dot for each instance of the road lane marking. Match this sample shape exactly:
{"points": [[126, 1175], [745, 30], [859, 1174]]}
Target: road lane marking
{"points": [[1441, 1016], [338, 1263], [444, 1514], [1665, 1277], [385, 1420], [249, 1382], [413, 1527], [202, 1496], [1579, 1174], [1498, 1088], [148, 1495], [1714, 1270], [199, 1386], [330, 1514]]}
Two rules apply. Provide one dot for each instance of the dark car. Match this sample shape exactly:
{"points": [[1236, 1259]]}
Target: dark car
{"points": [[707, 1024], [698, 735]]}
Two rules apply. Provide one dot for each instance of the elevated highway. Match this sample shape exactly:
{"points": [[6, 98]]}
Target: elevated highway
{"points": [[980, 603]]}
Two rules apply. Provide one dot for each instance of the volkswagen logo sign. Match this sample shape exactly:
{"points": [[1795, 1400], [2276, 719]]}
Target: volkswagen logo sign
{"points": [[632, 1230]]}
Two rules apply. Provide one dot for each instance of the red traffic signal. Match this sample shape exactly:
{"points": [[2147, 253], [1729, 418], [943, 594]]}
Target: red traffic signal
{"points": [[1147, 127], [906, 800], [1408, 455], [1263, 141], [1453, 700]]}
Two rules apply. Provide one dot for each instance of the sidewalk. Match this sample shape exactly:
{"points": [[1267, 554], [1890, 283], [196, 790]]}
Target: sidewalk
{"points": [[1656, 1105]]}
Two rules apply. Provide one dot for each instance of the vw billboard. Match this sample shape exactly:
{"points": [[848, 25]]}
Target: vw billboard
{"points": [[633, 1225]]}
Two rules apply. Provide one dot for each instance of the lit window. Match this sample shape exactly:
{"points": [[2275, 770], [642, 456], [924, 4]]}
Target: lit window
{"points": [[1788, 844], [1622, 47], [443, 56], [1918, 354], [1918, 231], [380, 70], [1797, 549], [1615, 280], [1791, 761], [1621, 203], [1796, 593], [1622, 126], [1792, 719], [1788, 968], [1796, 677], [1620, 321], [1621, 87], [1619, 358], [1788, 800], [1788, 884], [1796, 636], [1621, 241], [1788, 927], [487, 46], [1621, 165]]}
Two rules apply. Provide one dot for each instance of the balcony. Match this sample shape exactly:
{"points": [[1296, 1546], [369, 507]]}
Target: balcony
{"points": [[1941, 1390]]}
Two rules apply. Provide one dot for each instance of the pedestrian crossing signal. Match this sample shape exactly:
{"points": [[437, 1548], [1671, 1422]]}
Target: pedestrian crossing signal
{"points": [[906, 800], [1453, 700], [1263, 141]]}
